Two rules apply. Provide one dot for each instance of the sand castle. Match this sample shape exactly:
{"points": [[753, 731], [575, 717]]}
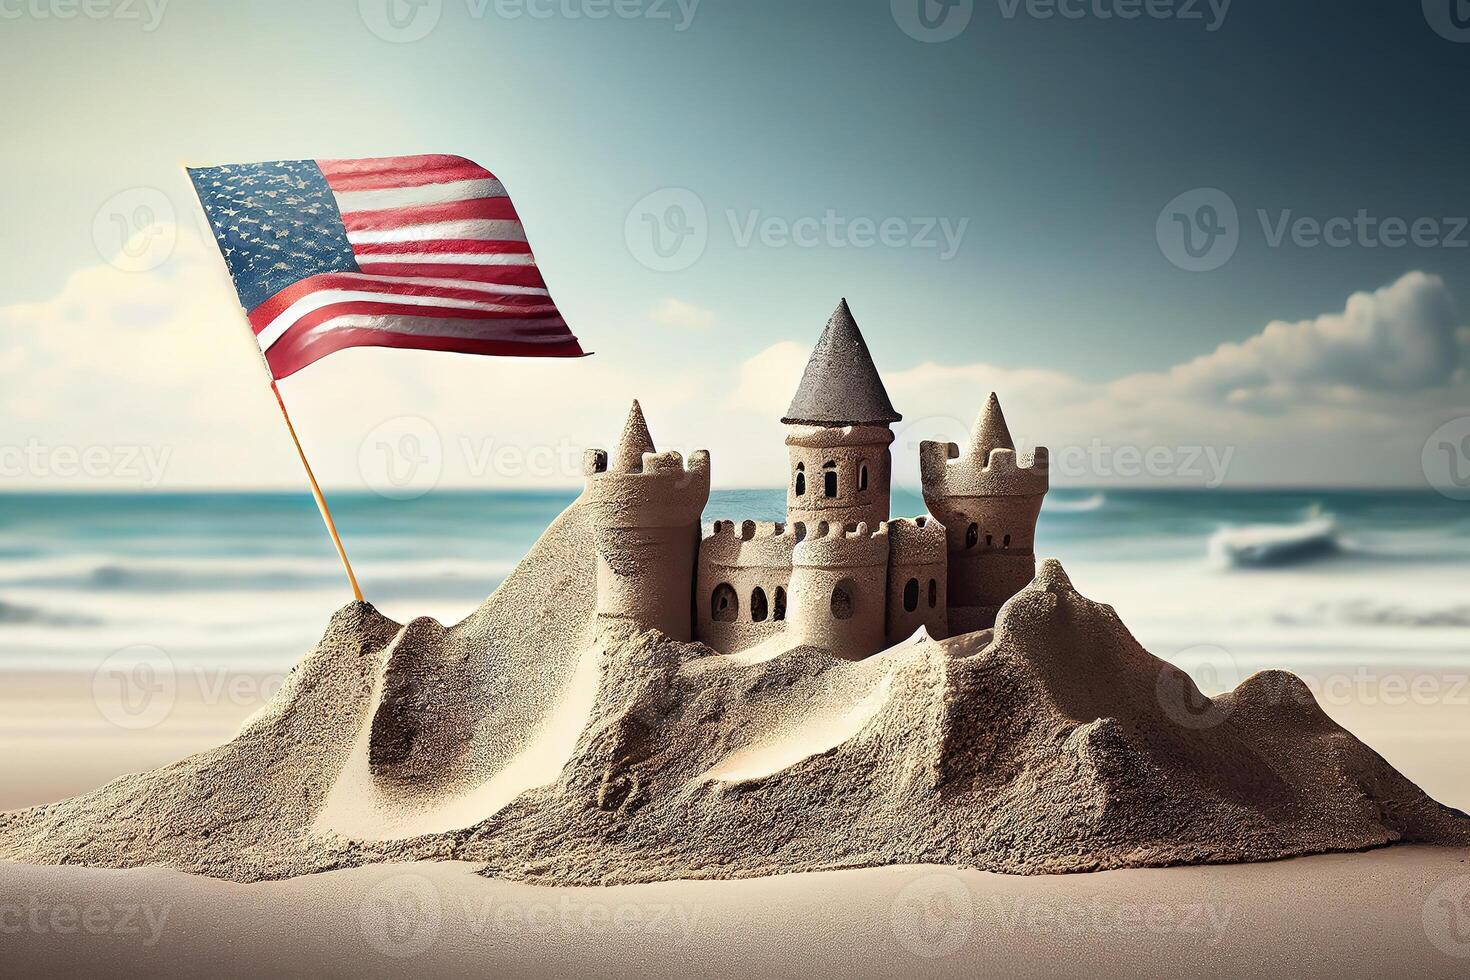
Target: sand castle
{"points": [[838, 574]]}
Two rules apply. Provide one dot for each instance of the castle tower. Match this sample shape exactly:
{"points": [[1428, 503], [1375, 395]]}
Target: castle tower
{"points": [[988, 499], [840, 466], [744, 583], [839, 589], [918, 584], [644, 508]]}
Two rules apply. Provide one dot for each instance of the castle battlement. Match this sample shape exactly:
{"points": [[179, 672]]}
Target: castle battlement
{"points": [[989, 466], [751, 544], [829, 545]]}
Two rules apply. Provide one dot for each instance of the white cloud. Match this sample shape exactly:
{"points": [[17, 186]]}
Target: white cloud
{"points": [[163, 360], [676, 313]]}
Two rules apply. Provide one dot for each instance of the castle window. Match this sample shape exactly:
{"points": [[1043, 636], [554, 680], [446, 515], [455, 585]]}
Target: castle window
{"points": [[911, 595], [829, 478], [988, 542], [801, 479], [842, 600], [1006, 541], [779, 613], [758, 610], [933, 593], [724, 604], [972, 535], [863, 477]]}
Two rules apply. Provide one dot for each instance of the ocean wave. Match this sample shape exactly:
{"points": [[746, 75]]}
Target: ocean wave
{"points": [[1086, 505]]}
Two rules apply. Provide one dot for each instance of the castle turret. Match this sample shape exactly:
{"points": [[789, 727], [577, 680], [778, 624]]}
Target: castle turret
{"points": [[839, 589], [744, 583], [988, 499], [840, 466], [644, 508], [918, 585]]}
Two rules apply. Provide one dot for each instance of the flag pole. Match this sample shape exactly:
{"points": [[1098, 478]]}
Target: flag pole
{"points": [[316, 491]]}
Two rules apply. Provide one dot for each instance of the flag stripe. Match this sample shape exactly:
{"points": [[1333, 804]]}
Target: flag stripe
{"points": [[419, 214], [512, 275], [483, 229], [404, 197], [288, 360]]}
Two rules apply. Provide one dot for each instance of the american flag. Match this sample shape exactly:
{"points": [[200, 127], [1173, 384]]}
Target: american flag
{"points": [[420, 252]]}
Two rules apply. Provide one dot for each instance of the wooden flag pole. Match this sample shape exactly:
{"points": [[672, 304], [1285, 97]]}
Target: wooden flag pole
{"points": [[316, 491]]}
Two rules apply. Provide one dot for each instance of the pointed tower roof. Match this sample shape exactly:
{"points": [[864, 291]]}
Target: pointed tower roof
{"points": [[635, 441], [991, 431], [841, 386]]}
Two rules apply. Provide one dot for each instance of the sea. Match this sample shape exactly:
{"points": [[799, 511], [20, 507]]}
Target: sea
{"points": [[1331, 581]]}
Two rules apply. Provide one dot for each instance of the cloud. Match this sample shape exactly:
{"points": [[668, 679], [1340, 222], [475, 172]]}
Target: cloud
{"points": [[162, 360], [676, 313]]}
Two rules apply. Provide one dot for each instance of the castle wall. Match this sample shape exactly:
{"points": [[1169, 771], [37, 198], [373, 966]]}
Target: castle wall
{"points": [[838, 589], [918, 587], [743, 595], [646, 533], [852, 450]]}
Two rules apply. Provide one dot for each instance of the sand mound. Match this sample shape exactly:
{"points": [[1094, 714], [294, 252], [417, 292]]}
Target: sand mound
{"points": [[1053, 743]]}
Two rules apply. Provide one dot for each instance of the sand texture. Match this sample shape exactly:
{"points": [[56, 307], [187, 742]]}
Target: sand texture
{"points": [[549, 749]]}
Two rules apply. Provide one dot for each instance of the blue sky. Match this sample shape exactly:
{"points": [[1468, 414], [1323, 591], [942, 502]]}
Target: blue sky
{"points": [[1021, 168]]}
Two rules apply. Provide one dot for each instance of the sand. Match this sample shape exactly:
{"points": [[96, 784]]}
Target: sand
{"points": [[1372, 915]]}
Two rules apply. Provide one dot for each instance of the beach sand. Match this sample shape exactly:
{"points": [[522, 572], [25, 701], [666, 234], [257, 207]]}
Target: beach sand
{"points": [[1383, 913]]}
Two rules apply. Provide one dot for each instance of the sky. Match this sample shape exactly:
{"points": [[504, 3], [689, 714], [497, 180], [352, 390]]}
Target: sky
{"points": [[1189, 243]]}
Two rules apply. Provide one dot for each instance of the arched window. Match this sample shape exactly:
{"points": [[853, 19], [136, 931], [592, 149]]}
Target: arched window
{"points": [[972, 535], [758, 610], [829, 478], [842, 600], [933, 593], [779, 613], [863, 477], [911, 595], [988, 543], [801, 479], [1006, 542], [724, 604]]}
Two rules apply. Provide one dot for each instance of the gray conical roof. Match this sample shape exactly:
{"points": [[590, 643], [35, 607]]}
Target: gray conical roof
{"points": [[841, 386]]}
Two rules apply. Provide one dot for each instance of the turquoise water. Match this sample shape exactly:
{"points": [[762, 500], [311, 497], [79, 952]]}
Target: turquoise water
{"points": [[252, 577]]}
